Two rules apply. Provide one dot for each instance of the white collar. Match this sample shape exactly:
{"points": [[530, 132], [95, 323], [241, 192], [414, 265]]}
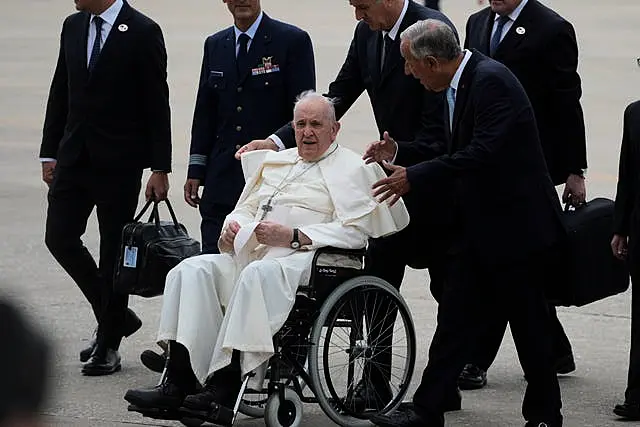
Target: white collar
{"points": [[110, 15], [251, 32], [393, 33], [516, 12], [456, 77]]}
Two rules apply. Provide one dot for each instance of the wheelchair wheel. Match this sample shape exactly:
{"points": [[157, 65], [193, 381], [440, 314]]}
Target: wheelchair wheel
{"points": [[253, 403], [364, 332], [283, 413]]}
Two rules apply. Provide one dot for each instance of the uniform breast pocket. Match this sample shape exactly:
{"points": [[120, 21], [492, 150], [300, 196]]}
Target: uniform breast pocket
{"points": [[216, 80]]}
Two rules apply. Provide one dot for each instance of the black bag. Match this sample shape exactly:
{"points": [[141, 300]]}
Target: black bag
{"points": [[149, 250], [593, 273]]}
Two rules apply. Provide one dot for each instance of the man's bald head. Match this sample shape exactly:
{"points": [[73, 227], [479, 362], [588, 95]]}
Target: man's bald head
{"points": [[378, 14], [315, 125]]}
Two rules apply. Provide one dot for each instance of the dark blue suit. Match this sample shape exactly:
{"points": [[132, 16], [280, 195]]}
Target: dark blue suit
{"points": [[506, 218], [233, 108]]}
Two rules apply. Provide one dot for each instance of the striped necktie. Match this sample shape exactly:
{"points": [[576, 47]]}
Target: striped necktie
{"points": [[95, 50]]}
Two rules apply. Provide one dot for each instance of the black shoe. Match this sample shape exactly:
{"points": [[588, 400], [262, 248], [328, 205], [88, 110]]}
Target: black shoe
{"points": [[628, 410], [472, 378], [368, 394], [565, 364], [131, 323], [165, 397], [403, 417], [103, 362], [541, 424], [153, 361], [216, 394], [85, 354]]}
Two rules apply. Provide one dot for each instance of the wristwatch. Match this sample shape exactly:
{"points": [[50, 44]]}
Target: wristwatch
{"points": [[295, 243]]}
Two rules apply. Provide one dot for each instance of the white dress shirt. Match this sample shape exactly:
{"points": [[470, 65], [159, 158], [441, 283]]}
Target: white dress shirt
{"points": [[251, 32], [109, 17], [512, 17]]}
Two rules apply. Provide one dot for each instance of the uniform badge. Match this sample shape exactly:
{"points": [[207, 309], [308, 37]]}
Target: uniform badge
{"points": [[520, 30], [123, 27], [268, 66]]}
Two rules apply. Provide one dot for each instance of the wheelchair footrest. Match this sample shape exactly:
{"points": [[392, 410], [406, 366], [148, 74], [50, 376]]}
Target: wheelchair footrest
{"points": [[218, 415], [156, 413]]}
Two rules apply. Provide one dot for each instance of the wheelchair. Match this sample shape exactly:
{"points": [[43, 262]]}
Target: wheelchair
{"points": [[345, 327]]}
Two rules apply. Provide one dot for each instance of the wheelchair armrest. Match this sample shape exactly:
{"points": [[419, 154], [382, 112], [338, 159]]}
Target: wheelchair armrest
{"points": [[330, 250]]}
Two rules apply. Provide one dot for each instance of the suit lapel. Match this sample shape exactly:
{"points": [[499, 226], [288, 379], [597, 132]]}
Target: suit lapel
{"points": [[229, 54], [258, 47], [395, 58], [485, 31], [374, 51], [81, 45], [514, 37], [118, 35], [462, 93]]}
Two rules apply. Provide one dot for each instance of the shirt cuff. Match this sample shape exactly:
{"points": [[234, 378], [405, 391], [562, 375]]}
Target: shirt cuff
{"points": [[275, 138], [46, 159]]}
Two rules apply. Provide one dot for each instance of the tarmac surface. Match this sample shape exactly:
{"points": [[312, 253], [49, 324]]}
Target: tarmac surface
{"points": [[29, 35]]}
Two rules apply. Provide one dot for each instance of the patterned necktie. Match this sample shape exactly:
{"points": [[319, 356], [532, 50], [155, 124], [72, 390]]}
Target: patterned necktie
{"points": [[451, 100], [95, 51], [241, 59], [497, 35]]}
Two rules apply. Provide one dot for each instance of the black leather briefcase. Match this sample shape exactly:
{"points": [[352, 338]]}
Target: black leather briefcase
{"points": [[149, 250], [592, 272]]}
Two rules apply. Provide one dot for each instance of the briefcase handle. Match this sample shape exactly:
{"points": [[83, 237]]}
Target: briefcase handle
{"points": [[155, 215]]}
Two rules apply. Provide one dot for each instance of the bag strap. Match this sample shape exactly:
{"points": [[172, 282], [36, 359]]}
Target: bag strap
{"points": [[144, 209], [155, 214]]}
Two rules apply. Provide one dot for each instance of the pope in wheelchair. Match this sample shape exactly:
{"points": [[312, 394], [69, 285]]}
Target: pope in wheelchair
{"points": [[220, 312]]}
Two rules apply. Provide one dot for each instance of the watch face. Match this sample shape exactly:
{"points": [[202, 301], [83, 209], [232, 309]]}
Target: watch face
{"points": [[295, 245]]}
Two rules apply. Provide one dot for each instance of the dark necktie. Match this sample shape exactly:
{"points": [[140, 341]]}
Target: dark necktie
{"points": [[384, 52], [95, 50], [495, 39], [241, 59]]}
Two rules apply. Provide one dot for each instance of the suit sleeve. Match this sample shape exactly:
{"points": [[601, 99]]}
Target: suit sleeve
{"points": [[155, 92], [626, 192], [204, 123], [430, 141], [57, 106], [566, 91], [495, 114], [345, 90]]}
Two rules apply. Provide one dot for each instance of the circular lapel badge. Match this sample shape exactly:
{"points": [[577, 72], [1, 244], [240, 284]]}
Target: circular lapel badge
{"points": [[520, 30], [123, 27]]}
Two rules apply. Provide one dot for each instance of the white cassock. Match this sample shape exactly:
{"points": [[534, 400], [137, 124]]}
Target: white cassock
{"points": [[214, 304]]}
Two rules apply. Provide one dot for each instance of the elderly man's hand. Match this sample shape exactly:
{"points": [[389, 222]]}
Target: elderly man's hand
{"points": [[619, 245], [228, 236], [575, 191], [257, 144], [394, 186], [274, 234], [379, 151]]}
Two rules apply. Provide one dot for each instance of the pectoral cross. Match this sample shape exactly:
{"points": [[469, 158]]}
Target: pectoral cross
{"points": [[266, 209]]}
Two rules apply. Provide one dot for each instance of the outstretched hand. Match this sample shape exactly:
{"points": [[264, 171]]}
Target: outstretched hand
{"points": [[392, 187], [379, 151]]}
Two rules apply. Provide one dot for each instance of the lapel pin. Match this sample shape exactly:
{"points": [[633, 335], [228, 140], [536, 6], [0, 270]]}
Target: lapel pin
{"points": [[520, 30], [123, 27]]}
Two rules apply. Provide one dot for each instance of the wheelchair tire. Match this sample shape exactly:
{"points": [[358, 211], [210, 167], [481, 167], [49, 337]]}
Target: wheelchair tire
{"points": [[251, 410], [328, 312], [285, 413]]}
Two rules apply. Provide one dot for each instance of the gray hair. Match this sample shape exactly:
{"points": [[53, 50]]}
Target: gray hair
{"points": [[432, 37], [309, 95]]}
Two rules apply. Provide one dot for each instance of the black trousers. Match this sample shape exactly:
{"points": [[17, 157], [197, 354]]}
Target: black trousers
{"points": [[75, 191], [515, 293], [632, 394], [213, 216]]}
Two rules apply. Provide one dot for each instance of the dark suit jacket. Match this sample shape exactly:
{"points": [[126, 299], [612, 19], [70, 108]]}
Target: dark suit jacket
{"points": [[627, 220], [505, 206], [231, 109], [120, 112], [545, 60], [400, 103]]}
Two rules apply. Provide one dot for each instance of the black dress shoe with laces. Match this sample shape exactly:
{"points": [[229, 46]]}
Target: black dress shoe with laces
{"points": [[160, 402], [215, 402], [472, 378], [132, 325], [103, 362], [368, 395], [628, 410], [86, 353], [565, 364], [405, 416]]}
